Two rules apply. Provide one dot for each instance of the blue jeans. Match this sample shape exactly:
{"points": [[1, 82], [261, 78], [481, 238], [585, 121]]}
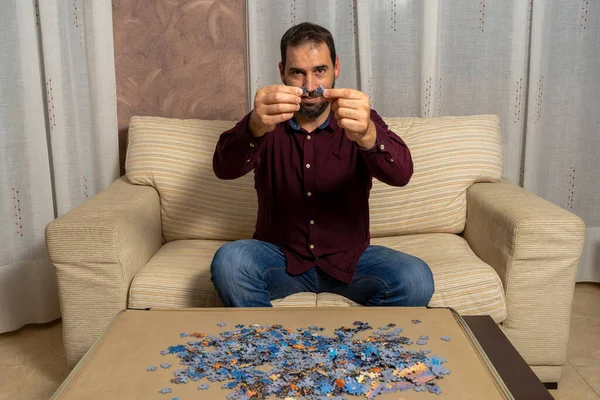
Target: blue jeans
{"points": [[251, 273]]}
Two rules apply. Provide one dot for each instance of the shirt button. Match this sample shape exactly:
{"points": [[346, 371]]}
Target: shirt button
{"points": [[307, 165], [391, 160], [312, 246], [248, 160], [251, 144], [382, 147], [309, 194], [308, 137], [312, 222]]}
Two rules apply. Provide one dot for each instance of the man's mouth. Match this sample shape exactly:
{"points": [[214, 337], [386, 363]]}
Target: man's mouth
{"points": [[310, 101]]}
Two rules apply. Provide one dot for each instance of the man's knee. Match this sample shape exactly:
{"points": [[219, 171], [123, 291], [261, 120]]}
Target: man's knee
{"points": [[233, 258], [236, 274], [417, 281]]}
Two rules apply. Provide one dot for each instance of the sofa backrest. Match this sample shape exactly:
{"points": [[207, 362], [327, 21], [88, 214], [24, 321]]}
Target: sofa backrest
{"points": [[449, 154]]}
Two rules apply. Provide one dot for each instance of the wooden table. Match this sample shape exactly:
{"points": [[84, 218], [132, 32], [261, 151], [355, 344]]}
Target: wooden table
{"points": [[484, 364], [522, 382]]}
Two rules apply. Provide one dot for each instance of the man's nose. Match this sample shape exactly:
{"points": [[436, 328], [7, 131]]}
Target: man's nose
{"points": [[310, 83]]}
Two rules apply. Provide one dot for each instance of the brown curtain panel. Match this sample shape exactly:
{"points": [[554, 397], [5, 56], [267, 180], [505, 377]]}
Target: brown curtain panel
{"points": [[179, 59]]}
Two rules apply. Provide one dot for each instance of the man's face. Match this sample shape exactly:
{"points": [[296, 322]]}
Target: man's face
{"points": [[309, 65]]}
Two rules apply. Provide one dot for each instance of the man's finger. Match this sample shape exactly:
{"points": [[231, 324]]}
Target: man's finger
{"points": [[275, 119], [282, 89], [342, 93], [281, 97], [280, 108], [347, 103], [350, 125], [349, 113]]}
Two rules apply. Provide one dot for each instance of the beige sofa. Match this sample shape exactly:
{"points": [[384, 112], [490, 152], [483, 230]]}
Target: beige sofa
{"points": [[148, 239]]}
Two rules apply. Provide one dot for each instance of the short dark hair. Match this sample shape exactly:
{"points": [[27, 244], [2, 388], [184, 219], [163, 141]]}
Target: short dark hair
{"points": [[306, 32]]}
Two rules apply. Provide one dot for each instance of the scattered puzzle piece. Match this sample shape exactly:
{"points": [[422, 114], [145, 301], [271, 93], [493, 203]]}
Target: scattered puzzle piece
{"points": [[304, 363], [435, 389]]}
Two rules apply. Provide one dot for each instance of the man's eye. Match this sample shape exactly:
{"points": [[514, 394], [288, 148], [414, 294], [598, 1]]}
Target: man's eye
{"points": [[320, 71]]}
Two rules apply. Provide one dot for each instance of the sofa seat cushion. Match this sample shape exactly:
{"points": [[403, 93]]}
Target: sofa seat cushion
{"points": [[179, 276], [462, 281]]}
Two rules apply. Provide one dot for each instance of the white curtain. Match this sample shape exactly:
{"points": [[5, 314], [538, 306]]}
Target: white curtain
{"points": [[58, 131], [536, 64], [563, 117]]}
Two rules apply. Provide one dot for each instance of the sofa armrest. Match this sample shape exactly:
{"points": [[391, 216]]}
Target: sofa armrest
{"points": [[97, 248], [535, 247]]}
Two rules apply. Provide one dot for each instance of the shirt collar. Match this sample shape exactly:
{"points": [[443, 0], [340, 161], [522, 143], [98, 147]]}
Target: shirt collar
{"points": [[330, 123]]}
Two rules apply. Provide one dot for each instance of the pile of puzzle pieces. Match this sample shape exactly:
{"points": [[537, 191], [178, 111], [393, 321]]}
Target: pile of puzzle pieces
{"points": [[306, 363]]}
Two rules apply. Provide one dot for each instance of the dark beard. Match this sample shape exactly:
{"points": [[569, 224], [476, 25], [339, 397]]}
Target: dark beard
{"points": [[313, 111]]}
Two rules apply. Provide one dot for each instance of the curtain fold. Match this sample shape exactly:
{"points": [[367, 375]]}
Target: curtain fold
{"points": [[78, 64], [563, 119], [58, 138], [533, 63]]}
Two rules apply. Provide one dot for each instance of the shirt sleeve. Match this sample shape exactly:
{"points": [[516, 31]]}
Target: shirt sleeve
{"points": [[237, 151], [389, 160]]}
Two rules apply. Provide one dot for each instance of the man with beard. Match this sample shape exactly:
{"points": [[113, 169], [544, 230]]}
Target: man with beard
{"points": [[314, 159]]}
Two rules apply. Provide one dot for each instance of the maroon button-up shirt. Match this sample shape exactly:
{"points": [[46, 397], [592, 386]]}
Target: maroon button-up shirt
{"points": [[313, 188]]}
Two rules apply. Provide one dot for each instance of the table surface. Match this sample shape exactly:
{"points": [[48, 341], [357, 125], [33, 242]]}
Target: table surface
{"points": [[146, 330], [522, 382]]}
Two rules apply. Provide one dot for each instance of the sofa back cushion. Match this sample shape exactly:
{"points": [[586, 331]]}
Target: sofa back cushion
{"points": [[449, 155], [175, 157]]}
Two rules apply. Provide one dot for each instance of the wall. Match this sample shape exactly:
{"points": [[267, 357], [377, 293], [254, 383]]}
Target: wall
{"points": [[179, 59]]}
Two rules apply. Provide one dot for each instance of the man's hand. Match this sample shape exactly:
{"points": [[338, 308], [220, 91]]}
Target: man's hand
{"points": [[272, 105], [352, 110]]}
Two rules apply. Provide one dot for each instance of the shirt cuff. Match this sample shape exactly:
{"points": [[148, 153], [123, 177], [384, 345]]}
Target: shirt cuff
{"points": [[244, 134], [382, 143]]}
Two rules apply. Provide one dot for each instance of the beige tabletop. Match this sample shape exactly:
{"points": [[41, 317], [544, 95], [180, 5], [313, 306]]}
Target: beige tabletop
{"points": [[115, 368]]}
